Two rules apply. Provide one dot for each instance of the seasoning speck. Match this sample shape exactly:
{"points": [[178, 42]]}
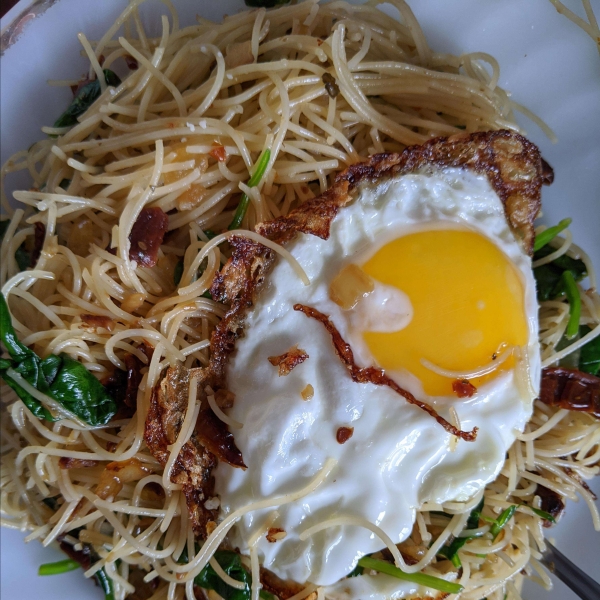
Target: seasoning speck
{"points": [[344, 434], [330, 85]]}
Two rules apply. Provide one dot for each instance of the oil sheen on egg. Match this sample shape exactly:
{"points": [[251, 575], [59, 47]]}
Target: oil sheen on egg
{"points": [[450, 289]]}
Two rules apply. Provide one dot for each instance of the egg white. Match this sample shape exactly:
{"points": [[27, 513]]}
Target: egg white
{"points": [[398, 457]]}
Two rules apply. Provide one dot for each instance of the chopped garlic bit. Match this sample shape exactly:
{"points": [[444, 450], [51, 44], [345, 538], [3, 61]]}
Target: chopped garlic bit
{"points": [[349, 286], [308, 392]]}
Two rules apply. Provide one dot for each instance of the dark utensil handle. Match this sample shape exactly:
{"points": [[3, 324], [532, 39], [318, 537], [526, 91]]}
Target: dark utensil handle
{"points": [[570, 574]]}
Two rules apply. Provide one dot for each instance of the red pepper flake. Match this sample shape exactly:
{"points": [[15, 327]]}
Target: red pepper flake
{"points": [[132, 63], [219, 153], [147, 235], [344, 434], [463, 388], [289, 360]]}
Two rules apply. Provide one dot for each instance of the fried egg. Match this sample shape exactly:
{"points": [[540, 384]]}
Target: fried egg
{"points": [[424, 278]]}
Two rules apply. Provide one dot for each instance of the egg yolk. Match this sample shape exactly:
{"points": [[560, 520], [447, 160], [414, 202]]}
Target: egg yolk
{"points": [[467, 299]]}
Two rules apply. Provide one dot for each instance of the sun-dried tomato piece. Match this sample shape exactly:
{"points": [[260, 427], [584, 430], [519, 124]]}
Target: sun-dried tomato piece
{"points": [[463, 388], [571, 389], [147, 235], [552, 503]]}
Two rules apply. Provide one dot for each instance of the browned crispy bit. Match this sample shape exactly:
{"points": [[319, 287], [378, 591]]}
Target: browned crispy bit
{"points": [[571, 389], [552, 503], [547, 173], [236, 284], [463, 388], [39, 235], [343, 434], [281, 588], [123, 385], [377, 376], [96, 321], [574, 475], [288, 360], [511, 163], [115, 474], [147, 349], [76, 463], [210, 440], [275, 534], [147, 235]]}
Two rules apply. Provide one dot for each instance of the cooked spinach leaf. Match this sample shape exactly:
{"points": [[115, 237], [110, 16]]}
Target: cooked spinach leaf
{"points": [[259, 171], [540, 513], [572, 292], [57, 568], [589, 355], [549, 234], [231, 563], [450, 551], [22, 257], [437, 583], [549, 277], [178, 272], [85, 97], [105, 583], [60, 377], [499, 524]]}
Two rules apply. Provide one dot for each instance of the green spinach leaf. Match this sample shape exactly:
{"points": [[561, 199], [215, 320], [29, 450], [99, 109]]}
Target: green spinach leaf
{"points": [[85, 97], [589, 355], [232, 565], [549, 277], [450, 551], [60, 377], [21, 255]]}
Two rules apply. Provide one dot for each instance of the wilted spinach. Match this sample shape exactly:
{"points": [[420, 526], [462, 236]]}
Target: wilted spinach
{"points": [[22, 257], [231, 563], [549, 277], [84, 98], [589, 355], [60, 377], [451, 550]]}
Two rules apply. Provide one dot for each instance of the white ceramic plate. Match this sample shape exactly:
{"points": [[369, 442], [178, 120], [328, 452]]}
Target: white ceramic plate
{"points": [[549, 64]]}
